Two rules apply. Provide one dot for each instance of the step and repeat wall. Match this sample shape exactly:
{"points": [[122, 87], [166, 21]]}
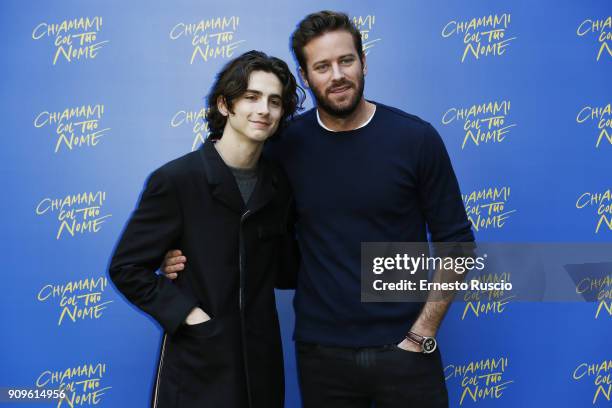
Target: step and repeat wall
{"points": [[97, 94]]}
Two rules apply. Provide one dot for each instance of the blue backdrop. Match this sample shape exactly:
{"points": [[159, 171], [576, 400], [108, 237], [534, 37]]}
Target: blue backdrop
{"points": [[97, 94]]}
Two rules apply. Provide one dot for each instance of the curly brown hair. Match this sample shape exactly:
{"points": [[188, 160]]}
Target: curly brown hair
{"points": [[233, 80]]}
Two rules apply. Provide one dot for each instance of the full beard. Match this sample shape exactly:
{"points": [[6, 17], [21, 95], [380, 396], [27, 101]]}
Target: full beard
{"points": [[324, 103]]}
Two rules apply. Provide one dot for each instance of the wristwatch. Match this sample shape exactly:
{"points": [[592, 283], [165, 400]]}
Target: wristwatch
{"points": [[428, 344]]}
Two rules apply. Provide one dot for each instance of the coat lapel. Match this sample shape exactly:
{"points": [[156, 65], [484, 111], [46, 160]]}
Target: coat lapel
{"points": [[265, 189], [223, 187]]}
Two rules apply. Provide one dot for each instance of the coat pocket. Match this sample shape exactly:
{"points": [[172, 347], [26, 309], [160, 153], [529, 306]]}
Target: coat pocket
{"points": [[204, 329], [211, 361]]}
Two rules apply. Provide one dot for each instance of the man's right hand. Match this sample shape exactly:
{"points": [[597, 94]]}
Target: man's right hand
{"points": [[173, 263], [196, 316]]}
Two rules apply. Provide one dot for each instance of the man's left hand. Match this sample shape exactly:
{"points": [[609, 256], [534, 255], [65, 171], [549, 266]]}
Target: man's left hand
{"points": [[408, 345]]}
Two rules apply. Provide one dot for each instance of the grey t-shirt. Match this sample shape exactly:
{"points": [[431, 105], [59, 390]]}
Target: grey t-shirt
{"points": [[246, 180]]}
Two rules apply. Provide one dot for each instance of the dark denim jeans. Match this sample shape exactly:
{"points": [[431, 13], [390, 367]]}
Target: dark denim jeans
{"points": [[380, 377]]}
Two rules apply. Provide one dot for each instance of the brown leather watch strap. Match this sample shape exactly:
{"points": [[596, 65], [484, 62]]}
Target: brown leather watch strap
{"points": [[415, 338]]}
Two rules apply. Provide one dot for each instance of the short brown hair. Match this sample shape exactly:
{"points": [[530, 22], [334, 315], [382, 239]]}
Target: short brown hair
{"points": [[233, 80], [316, 24]]}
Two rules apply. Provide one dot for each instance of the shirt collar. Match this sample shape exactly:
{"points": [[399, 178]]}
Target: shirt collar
{"points": [[358, 127]]}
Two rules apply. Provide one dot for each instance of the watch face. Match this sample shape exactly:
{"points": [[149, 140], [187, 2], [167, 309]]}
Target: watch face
{"points": [[429, 345]]}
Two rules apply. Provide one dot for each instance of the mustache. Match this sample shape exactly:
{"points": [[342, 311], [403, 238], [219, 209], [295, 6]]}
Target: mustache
{"points": [[341, 84]]}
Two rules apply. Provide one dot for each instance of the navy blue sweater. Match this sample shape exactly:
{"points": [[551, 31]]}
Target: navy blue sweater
{"points": [[386, 182]]}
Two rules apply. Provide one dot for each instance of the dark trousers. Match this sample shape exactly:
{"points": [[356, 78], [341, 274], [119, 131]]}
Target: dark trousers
{"points": [[380, 377]]}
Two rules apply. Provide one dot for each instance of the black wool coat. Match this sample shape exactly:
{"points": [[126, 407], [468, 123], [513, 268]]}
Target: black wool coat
{"points": [[236, 255]]}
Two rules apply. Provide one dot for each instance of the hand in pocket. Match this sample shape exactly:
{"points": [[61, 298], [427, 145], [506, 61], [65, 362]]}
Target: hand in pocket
{"points": [[196, 316]]}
